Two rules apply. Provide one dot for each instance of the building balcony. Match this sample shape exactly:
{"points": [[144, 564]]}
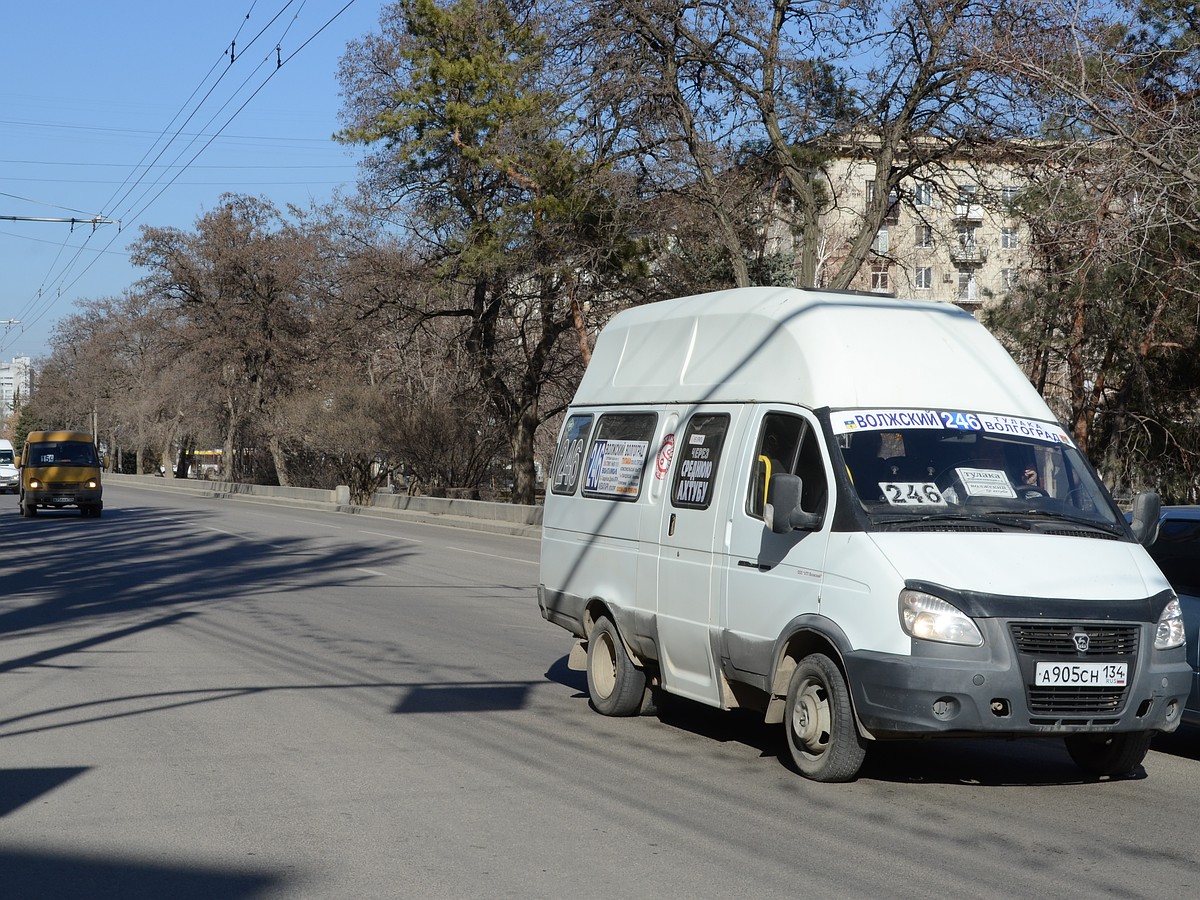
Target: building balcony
{"points": [[968, 212], [968, 254]]}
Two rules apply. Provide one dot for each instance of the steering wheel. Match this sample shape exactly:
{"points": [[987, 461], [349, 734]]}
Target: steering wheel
{"points": [[1028, 492]]}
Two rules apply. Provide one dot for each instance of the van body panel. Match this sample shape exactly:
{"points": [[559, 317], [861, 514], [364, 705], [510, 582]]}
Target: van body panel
{"points": [[914, 462], [690, 558], [803, 347], [1024, 564], [769, 579]]}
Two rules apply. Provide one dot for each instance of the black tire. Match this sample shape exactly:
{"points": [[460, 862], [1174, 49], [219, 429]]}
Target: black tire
{"points": [[617, 687], [29, 509], [1109, 754], [819, 720]]}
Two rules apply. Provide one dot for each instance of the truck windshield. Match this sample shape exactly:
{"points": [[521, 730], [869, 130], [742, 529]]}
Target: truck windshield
{"points": [[62, 453], [929, 464]]}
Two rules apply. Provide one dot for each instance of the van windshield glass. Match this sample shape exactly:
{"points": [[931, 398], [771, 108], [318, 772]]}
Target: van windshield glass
{"points": [[6, 457], [62, 453], [919, 464]]}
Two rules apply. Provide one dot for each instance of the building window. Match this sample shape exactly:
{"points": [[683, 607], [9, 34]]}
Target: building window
{"points": [[880, 244], [925, 236], [1008, 279], [966, 193], [1008, 196], [967, 292], [1009, 239], [923, 277], [869, 190], [880, 281], [966, 237], [923, 194]]}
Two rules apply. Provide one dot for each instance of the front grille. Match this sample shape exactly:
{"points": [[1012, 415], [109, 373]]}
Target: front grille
{"points": [[1036, 641], [62, 485], [1075, 701], [1058, 639]]}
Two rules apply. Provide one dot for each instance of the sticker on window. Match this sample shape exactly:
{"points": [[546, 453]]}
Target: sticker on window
{"points": [[1030, 428], [615, 468], [884, 419], [912, 493], [985, 482]]}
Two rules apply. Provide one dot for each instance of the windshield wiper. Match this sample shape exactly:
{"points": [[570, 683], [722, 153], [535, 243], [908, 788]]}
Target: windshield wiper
{"points": [[957, 517], [1075, 520]]}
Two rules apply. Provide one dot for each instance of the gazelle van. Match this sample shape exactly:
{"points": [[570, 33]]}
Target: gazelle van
{"points": [[60, 469], [856, 515]]}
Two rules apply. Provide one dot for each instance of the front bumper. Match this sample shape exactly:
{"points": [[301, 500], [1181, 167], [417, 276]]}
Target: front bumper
{"points": [[58, 497], [946, 690]]}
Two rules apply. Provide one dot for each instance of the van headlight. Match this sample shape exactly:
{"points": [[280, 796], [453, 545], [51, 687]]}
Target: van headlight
{"points": [[92, 484], [34, 484], [930, 618], [1170, 627]]}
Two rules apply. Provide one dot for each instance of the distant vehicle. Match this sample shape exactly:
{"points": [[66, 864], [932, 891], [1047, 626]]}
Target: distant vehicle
{"points": [[60, 469], [1177, 552], [10, 479]]}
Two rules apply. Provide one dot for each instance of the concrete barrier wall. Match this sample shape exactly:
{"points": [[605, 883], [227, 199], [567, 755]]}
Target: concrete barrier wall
{"points": [[506, 517]]}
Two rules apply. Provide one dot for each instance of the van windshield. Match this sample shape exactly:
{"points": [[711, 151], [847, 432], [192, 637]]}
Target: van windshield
{"points": [[6, 457], [62, 453], [933, 464]]}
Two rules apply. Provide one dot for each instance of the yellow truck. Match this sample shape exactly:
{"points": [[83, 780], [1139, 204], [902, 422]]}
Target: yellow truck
{"points": [[60, 469]]}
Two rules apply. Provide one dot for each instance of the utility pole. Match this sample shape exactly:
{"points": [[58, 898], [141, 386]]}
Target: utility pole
{"points": [[9, 323]]}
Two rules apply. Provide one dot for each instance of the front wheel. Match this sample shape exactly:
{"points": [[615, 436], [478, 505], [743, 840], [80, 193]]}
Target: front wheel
{"points": [[821, 732], [1109, 754], [616, 685]]}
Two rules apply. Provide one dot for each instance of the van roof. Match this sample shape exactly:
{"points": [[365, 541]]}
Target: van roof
{"points": [[813, 348]]}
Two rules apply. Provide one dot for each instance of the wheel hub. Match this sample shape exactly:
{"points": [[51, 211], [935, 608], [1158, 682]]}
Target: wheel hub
{"points": [[810, 718]]}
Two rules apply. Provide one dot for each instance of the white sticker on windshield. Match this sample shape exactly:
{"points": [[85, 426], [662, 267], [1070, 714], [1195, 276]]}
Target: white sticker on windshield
{"points": [[985, 482], [1030, 428], [912, 493], [883, 420]]}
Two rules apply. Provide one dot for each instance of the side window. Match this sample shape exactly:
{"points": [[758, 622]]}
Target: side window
{"points": [[787, 444], [616, 460], [568, 459], [699, 456]]}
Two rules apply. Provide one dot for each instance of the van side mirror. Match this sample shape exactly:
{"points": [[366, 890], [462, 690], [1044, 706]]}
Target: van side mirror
{"points": [[783, 513], [1146, 508]]}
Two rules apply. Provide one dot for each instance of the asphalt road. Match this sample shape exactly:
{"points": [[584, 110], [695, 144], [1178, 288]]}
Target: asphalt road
{"points": [[225, 699]]}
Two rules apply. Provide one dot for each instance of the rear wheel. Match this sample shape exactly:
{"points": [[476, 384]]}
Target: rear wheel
{"points": [[616, 685], [1109, 754], [821, 732]]}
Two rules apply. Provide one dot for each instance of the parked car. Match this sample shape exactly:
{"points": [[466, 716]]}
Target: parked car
{"points": [[1177, 552], [10, 479]]}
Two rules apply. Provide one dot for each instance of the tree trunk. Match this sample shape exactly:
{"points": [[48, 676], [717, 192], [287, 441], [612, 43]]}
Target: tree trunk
{"points": [[280, 460], [524, 467]]}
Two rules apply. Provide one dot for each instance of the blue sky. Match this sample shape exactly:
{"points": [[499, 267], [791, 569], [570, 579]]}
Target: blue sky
{"points": [[92, 94]]}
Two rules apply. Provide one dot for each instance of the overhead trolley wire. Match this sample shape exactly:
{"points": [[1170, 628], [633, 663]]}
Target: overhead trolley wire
{"points": [[280, 61]]}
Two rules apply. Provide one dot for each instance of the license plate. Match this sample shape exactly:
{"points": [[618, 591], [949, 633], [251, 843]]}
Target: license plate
{"points": [[62, 499], [1081, 674]]}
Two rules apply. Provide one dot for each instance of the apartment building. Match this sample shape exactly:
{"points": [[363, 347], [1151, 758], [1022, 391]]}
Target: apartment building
{"points": [[14, 382], [953, 236]]}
